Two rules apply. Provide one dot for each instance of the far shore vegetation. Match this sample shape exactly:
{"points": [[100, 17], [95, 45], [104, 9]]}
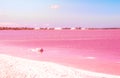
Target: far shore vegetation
{"points": [[52, 28]]}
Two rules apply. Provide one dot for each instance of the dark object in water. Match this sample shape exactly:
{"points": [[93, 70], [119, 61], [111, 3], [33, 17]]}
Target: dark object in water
{"points": [[41, 50]]}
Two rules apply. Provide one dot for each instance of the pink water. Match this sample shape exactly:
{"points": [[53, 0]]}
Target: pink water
{"points": [[94, 50]]}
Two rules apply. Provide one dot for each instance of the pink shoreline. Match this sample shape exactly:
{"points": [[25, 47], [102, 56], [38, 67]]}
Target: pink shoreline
{"points": [[95, 65], [18, 67]]}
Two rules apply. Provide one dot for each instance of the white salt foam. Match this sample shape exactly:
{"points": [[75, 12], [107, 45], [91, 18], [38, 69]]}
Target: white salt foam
{"points": [[14, 67]]}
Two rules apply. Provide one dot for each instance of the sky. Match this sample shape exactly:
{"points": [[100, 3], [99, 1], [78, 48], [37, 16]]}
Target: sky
{"points": [[60, 13]]}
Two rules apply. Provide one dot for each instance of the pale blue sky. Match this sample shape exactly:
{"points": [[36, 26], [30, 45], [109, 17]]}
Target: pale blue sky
{"points": [[61, 13]]}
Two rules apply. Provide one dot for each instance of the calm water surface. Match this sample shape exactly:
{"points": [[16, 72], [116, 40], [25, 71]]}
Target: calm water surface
{"points": [[95, 50]]}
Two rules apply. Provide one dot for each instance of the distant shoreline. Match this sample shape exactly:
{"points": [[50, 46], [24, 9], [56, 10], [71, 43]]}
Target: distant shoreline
{"points": [[52, 28]]}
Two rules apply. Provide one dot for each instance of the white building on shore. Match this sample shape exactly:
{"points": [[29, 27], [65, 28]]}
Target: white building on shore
{"points": [[36, 28], [58, 28], [72, 28]]}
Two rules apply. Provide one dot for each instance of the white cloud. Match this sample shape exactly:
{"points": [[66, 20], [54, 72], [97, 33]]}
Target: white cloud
{"points": [[55, 6]]}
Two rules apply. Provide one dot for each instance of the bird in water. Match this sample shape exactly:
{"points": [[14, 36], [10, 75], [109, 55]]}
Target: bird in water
{"points": [[41, 50], [37, 50]]}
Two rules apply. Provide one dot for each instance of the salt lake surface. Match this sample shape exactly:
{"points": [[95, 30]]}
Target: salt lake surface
{"points": [[94, 50]]}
